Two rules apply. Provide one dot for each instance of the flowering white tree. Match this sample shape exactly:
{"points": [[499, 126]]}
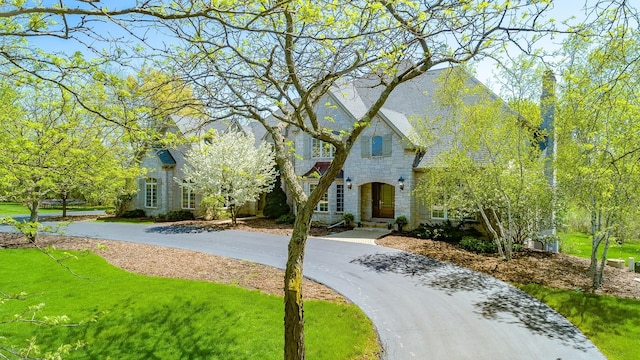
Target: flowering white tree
{"points": [[232, 166]]}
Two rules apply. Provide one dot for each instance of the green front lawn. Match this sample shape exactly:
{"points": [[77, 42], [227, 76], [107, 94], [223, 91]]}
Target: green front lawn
{"points": [[140, 317], [579, 244], [612, 324], [12, 208]]}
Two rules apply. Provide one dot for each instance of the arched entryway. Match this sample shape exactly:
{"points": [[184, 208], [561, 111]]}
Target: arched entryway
{"points": [[383, 200]]}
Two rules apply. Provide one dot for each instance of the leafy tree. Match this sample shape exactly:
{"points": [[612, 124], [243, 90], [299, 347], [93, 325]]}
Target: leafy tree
{"points": [[274, 63], [598, 148], [232, 166], [248, 59], [491, 164], [51, 147]]}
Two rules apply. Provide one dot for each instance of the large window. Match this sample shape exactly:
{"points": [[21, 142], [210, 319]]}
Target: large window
{"points": [[321, 149], [339, 197], [188, 196], [323, 204], [151, 193]]}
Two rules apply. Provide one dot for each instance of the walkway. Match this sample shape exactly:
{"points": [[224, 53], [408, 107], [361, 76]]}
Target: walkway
{"points": [[422, 308], [359, 236]]}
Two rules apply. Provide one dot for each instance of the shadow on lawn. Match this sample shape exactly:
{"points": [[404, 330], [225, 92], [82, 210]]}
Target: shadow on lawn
{"points": [[496, 300], [131, 332]]}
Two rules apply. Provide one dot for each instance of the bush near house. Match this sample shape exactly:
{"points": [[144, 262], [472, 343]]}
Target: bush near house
{"points": [[131, 214], [177, 215], [286, 219], [276, 203], [349, 219], [444, 231], [401, 221]]}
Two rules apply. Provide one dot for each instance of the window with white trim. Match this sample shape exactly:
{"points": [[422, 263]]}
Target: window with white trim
{"points": [[339, 197], [438, 212], [321, 149], [442, 212], [188, 196], [323, 204], [151, 193]]}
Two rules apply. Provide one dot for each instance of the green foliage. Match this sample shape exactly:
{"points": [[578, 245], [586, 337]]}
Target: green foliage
{"points": [[598, 168], [209, 208], [477, 245], [348, 219], [401, 221], [286, 219], [136, 315], [31, 229], [490, 167], [443, 231], [611, 323], [132, 214], [177, 215], [276, 202]]}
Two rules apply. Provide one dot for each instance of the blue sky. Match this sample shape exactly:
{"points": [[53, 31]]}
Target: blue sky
{"points": [[485, 70]]}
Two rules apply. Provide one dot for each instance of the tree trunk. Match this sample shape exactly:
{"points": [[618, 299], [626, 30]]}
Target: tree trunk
{"points": [[234, 212], [64, 205], [599, 275], [596, 239], [33, 210], [294, 348]]}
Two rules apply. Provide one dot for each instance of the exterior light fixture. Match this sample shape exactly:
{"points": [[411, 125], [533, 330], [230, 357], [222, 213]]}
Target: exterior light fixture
{"points": [[401, 183], [349, 183]]}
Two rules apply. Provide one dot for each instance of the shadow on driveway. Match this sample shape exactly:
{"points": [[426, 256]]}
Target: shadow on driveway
{"points": [[180, 229], [495, 300]]}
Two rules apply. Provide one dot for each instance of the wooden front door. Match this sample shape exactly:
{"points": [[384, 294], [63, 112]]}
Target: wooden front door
{"points": [[383, 200]]}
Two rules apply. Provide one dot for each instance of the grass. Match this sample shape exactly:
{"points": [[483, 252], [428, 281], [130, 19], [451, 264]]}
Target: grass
{"points": [[126, 220], [12, 208], [140, 317], [613, 324], [579, 244]]}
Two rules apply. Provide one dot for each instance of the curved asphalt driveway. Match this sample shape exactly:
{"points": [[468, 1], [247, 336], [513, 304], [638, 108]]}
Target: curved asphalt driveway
{"points": [[422, 308]]}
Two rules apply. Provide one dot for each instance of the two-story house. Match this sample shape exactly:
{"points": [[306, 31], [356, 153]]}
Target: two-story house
{"points": [[379, 177]]}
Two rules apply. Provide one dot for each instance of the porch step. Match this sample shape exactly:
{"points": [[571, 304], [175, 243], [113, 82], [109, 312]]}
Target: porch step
{"points": [[374, 225]]}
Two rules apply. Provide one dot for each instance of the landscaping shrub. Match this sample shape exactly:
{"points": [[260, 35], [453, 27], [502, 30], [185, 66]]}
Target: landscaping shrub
{"points": [[348, 219], [179, 215], [286, 219], [276, 203], [471, 243], [210, 207], [401, 221], [444, 231], [131, 214]]}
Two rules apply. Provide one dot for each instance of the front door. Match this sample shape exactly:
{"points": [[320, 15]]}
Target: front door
{"points": [[383, 200]]}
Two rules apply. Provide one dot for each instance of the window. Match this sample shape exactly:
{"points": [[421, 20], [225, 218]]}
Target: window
{"points": [[151, 193], [188, 196], [323, 204], [376, 146], [339, 197], [321, 149], [438, 212]]}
